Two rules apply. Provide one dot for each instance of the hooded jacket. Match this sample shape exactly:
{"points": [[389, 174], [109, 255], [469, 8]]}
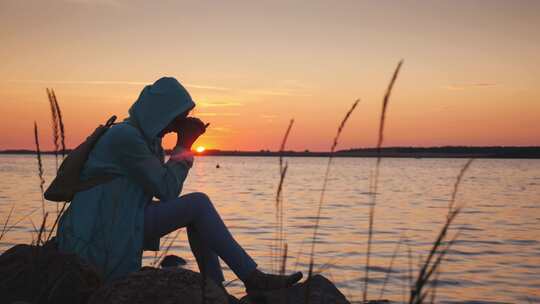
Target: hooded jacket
{"points": [[104, 225]]}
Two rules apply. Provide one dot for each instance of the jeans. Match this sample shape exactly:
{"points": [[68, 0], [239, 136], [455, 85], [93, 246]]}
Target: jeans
{"points": [[208, 236]]}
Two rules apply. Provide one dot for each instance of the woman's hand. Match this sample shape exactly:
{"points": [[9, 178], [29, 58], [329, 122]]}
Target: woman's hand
{"points": [[189, 130]]}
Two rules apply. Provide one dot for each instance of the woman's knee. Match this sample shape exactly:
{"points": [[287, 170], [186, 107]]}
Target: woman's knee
{"points": [[198, 196], [201, 200]]}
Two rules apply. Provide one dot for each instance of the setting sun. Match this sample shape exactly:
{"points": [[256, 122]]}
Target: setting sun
{"points": [[200, 149]]}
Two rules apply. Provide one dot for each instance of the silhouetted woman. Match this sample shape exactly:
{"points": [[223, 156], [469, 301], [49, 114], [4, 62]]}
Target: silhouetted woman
{"points": [[111, 224]]}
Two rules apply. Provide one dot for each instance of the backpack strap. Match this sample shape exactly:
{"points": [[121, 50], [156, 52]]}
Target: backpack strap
{"points": [[110, 121], [98, 179]]}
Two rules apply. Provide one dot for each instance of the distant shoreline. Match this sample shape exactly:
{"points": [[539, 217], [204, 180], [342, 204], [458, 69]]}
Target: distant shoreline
{"points": [[532, 152]]}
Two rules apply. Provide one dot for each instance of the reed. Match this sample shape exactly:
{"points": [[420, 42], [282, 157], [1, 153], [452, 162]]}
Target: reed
{"points": [[36, 231], [410, 268], [388, 273], [40, 167], [280, 236], [374, 184], [457, 183], [8, 229], [55, 125], [6, 222], [325, 182], [283, 267], [58, 134], [436, 254], [42, 229], [283, 142], [434, 288], [160, 258], [60, 123], [279, 254], [58, 215], [55, 130], [325, 266]]}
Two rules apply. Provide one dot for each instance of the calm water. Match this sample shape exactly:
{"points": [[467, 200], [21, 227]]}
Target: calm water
{"points": [[496, 258]]}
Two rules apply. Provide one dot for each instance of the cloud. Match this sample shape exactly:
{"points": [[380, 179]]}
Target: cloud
{"points": [[114, 82], [143, 83], [220, 129], [277, 93], [217, 114], [84, 82], [206, 87], [114, 3], [206, 104], [470, 86]]}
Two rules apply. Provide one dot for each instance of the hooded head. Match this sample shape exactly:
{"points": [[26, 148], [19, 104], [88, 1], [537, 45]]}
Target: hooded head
{"points": [[158, 105]]}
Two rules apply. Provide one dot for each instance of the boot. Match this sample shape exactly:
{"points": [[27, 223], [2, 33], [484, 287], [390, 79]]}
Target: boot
{"points": [[259, 281]]}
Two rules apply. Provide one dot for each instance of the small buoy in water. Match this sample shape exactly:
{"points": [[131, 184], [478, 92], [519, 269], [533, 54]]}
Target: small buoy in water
{"points": [[217, 166]]}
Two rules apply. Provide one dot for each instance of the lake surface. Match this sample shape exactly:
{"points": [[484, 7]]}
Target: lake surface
{"points": [[496, 258]]}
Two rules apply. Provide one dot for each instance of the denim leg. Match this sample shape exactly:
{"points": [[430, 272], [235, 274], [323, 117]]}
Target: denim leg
{"points": [[207, 260], [208, 235]]}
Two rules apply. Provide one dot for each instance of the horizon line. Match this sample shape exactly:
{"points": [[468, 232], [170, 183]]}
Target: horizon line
{"points": [[320, 151]]}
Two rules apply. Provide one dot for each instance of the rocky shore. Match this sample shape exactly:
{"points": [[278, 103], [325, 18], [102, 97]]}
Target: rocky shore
{"points": [[42, 275]]}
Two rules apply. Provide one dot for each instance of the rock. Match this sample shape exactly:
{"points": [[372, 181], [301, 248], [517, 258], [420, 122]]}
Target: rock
{"points": [[42, 274], [164, 286], [321, 291], [172, 261]]}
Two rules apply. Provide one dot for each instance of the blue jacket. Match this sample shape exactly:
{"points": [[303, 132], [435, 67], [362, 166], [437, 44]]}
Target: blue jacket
{"points": [[104, 224]]}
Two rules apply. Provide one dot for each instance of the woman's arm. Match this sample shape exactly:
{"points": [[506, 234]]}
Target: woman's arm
{"points": [[163, 181]]}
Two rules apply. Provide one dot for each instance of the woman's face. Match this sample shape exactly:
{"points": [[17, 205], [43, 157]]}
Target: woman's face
{"points": [[173, 125]]}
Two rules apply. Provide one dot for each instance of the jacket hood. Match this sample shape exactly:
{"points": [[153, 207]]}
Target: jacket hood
{"points": [[158, 104]]}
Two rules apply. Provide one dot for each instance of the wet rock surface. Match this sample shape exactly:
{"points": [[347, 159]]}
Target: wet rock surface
{"points": [[316, 290], [166, 286], [172, 261], [41, 274]]}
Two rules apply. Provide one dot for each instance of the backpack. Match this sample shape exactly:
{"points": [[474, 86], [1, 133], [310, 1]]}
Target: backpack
{"points": [[67, 181]]}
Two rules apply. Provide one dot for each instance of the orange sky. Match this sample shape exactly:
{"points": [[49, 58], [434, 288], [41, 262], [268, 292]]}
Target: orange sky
{"points": [[471, 74]]}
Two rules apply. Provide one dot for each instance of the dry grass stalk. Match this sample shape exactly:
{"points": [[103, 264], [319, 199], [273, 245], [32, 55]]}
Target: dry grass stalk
{"points": [[388, 273], [58, 215], [435, 283], [55, 130], [280, 238], [283, 142], [40, 167], [60, 123], [39, 240], [5, 231], [436, 254], [55, 125], [321, 198], [299, 254], [433, 268], [59, 132], [464, 169], [327, 265], [325, 181], [36, 232], [283, 267], [406, 282], [4, 228], [385, 104], [164, 253], [375, 182]]}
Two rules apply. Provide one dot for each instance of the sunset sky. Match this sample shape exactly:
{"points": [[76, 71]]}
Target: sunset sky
{"points": [[471, 74]]}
